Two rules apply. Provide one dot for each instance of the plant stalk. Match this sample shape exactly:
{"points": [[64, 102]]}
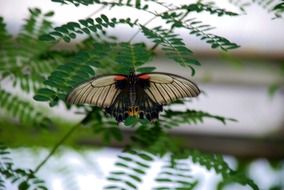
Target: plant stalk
{"points": [[57, 145]]}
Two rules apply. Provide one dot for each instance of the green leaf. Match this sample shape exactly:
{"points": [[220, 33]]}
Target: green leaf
{"points": [[130, 121], [84, 22], [41, 98], [49, 14], [46, 91], [98, 20], [105, 18], [66, 39], [145, 157], [172, 45], [47, 37], [145, 69], [21, 109], [273, 89]]}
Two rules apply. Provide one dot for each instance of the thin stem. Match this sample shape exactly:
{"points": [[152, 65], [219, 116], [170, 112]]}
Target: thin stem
{"points": [[97, 11], [172, 28], [134, 35], [151, 19], [60, 142]]}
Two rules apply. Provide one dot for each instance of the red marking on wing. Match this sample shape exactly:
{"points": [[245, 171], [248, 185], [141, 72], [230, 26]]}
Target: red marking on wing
{"points": [[144, 77], [119, 77]]}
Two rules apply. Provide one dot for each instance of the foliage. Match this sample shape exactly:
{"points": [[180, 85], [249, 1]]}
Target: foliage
{"points": [[23, 110], [279, 8], [190, 117], [175, 175], [173, 46], [25, 179], [84, 26], [157, 142], [217, 163], [52, 74], [133, 166], [25, 62], [274, 7]]}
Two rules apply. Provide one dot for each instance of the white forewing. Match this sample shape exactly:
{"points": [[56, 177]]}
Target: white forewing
{"points": [[98, 91], [166, 88]]}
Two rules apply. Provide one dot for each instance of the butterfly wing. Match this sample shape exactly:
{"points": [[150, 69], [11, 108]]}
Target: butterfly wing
{"points": [[164, 88], [99, 91]]}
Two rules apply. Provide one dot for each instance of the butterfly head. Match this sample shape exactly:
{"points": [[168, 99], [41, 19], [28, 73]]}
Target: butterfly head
{"points": [[131, 72], [132, 76]]}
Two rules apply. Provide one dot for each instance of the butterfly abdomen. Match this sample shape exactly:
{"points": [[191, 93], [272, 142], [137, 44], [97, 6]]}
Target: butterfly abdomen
{"points": [[132, 95]]}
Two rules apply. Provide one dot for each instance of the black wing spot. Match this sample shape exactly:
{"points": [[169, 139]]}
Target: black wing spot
{"points": [[121, 84]]}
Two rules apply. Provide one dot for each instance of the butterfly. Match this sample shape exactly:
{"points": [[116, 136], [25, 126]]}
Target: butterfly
{"points": [[140, 95]]}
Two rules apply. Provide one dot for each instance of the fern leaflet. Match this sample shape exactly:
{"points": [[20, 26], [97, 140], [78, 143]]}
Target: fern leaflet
{"points": [[207, 7], [175, 175], [133, 165], [217, 163], [25, 179], [26, 60], [23, 110], [84, 26], [172, 45]]}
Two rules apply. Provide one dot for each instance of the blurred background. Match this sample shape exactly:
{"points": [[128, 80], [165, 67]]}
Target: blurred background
{"points": [[245, 84]]}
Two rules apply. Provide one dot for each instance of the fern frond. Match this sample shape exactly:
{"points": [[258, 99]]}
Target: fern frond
{"points": [[36, 24], [175, 175], [154, 140], [133, 55], [207, 7], [274, 7], [77, 2], [5, 163], [165, 4], [64, 78], [25, 60], [24, 111], [278, 9], [170, 118], [217, 163], [200, 30], [152, 136], [5, 160], [4, 35], [84, 26], [138, 4], [266, 4], [242, 5], [172, 45], [133, 165], [25, 179], [2, 183]]}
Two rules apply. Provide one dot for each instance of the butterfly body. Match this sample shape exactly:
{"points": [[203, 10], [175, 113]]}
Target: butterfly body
{"points": [[141, 95]]}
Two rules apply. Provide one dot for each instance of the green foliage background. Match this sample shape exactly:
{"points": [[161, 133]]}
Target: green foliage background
{"points": [[32, 63]]}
